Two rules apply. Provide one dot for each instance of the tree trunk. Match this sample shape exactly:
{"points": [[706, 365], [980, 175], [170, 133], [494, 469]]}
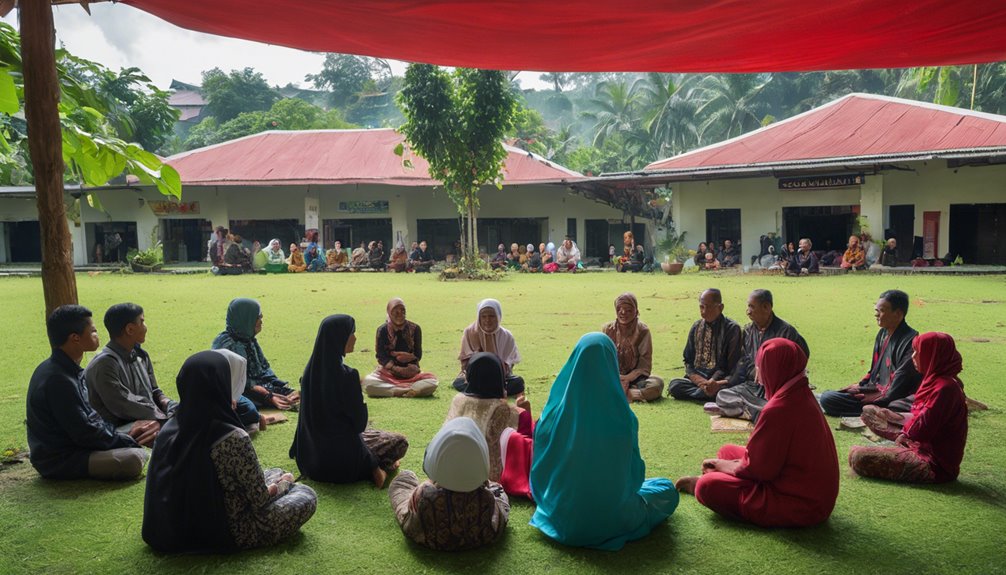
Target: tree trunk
{"points": [[41, 103], [475, 230]]}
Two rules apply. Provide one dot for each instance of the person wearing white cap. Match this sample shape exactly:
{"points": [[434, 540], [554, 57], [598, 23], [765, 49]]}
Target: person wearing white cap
{"points": [[458, 507]]}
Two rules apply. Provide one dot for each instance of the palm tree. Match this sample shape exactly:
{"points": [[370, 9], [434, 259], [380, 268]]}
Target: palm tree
{"points": [[617, 109], [730, 105], [668, 115]]}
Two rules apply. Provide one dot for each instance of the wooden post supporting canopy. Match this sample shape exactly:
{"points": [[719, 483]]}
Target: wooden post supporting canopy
{"points": [[41, 103]]}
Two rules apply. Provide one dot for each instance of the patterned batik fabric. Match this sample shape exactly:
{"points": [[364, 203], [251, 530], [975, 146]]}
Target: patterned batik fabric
{"points": [[900, 464], [705, 355]]}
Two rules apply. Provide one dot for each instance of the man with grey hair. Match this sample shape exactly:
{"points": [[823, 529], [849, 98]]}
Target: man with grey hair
{"points": [[803, 262], [745, 397], [712, 351]]}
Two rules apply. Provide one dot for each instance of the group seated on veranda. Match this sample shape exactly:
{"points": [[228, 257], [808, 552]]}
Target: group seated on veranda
{"points": [[710, 257], [206, 492], [230, 256], [547, 258]]}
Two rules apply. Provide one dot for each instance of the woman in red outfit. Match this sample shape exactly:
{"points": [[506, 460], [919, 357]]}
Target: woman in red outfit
{"points": [[788, 474], [930, 441]]}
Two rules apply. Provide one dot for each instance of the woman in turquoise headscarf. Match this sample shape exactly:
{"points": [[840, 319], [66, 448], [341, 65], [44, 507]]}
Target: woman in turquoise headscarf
{"points": [[587, 475], [264, 388]]}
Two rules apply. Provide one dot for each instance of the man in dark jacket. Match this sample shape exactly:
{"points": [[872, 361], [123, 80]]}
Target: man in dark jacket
{"points": [[67, 438], [711, 352], [892, 380]]}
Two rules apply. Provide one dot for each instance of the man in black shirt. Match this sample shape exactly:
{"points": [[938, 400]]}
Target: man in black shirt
{"points": [[66, 436], [421, 259]]}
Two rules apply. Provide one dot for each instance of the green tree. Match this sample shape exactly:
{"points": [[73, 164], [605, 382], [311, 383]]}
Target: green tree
{"points": [[228, 95], [730, 105], [616, 110], [668, 115], [557, 79], [456, 122], [346, 76], [286, 114]]}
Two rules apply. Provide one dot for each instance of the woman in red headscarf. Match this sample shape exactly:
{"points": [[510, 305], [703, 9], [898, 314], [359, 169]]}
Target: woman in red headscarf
{"points": [[788, 474], [930, 441]]}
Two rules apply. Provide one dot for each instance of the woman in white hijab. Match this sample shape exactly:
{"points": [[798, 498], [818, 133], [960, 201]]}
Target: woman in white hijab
{"points": [[486, 334], [457, 508], [275, 258]]}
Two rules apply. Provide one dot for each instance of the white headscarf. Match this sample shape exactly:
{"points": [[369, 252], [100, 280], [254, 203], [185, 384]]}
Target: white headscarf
{"points": [[239, 372], [457, 457], [474, 339]]}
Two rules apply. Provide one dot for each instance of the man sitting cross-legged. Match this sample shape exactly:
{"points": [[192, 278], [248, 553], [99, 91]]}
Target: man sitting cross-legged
{"points": [[66, 436], [711, 352], [892, 378], [745, 397], [120, 380]]}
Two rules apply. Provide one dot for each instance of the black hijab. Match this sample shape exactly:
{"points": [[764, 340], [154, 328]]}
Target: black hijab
{"points": [[327, 444], [183, 509], [485, 377]]}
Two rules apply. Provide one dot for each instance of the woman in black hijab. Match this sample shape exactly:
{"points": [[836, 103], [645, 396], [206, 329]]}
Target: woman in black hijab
{"points": [[332, 442], [205, 489]]}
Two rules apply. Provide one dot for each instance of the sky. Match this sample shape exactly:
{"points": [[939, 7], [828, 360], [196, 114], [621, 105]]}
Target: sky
{"points": [[120, 36]]}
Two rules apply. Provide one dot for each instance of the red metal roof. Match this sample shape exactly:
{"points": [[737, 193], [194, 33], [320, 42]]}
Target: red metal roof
{"points": [[334, 157], [855, 126], [631, 35]]}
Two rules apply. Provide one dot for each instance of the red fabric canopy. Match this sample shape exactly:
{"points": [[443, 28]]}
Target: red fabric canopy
{"points": [[627, 35]]}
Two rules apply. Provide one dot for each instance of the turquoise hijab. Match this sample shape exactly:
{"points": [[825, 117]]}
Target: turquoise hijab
{"points": [[242, 313], [587, 474]]}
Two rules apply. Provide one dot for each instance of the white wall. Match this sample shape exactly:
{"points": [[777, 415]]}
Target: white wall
{"points": [[930, 186]]}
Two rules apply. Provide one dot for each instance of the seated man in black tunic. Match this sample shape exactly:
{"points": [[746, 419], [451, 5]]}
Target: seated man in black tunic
{"points": [[892, 379], [745, 397], [711, 352], [67, 438], [421, 259]]}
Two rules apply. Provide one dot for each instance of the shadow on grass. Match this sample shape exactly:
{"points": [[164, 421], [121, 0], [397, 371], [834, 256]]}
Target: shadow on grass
{"points": [[77, 488]]}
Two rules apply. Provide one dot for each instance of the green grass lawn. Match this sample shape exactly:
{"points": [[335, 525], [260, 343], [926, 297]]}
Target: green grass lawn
{"points": [[92, 527]]}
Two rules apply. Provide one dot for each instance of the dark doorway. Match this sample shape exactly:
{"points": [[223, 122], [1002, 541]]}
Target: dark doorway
{"points": [[114, 239], [978, 233], [353, 231], [604, 233], [721, 225], [286, 231], [25, 241], [186, 240], [902, 220], [522, 231], [827, 227], [440, 236]]}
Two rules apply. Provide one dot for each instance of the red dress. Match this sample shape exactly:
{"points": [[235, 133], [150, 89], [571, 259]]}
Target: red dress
{"points": [[788, 475]]}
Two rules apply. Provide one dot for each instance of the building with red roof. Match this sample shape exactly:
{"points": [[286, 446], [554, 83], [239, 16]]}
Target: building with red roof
{"points": [[351, 186], [932, 177]]}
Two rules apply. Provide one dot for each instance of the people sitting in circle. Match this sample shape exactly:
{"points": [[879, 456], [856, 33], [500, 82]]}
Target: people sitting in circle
{"points": [[892, 379], [263, 387], [486, 334], [711, 263], [712, 351], [635, 351], [275, 258], [399, 348], [743, 396], [729, 256], [458, 507], [205, 489], [513, 257], [360, 258], [568, 255], [534, 263], [803, 262], [399, 259], [787, 476], [889, 257], [499, 260], [120, 379], [67, 439], [375, 256], [421, 260], [854, 257], [929, 442], [295, 261], [332, 442], [485, 402], [237, 258], [314, 259], [587, 476], [336, 259]]}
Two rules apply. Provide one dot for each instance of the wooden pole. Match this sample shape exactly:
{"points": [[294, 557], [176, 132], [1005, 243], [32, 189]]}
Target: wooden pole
{"points": [[41, 106]]}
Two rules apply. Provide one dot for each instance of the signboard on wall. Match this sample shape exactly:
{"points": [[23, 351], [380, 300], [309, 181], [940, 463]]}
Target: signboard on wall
{"points": [[821, 182], [311, 213], [364, 207], [163, 208]]}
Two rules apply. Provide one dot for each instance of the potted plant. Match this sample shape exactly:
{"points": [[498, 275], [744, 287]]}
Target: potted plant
{"points": [[148, 260], [674, 252]]}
